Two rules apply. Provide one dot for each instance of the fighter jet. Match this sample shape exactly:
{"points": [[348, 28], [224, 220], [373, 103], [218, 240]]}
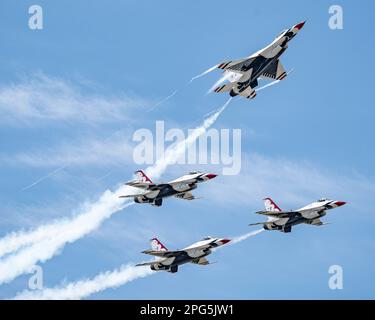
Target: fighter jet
{"points": [[170, 260], [154, 193], [243, 74], [284, 220]]}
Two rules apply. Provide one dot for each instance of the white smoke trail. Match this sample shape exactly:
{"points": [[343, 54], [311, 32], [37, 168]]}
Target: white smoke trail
{"points": [[44, 242], [66, 231], [245, 236], [86, 287], [204, 73], [170, 155], [227, 75]]}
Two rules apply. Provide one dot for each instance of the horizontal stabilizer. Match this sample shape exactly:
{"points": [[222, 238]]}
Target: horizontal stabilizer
{"points": [[275, 71], [276, 214], [248, 93], [225, 88]]}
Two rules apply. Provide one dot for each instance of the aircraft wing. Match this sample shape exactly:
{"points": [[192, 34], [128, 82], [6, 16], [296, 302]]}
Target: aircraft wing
{"points": [[185, 196], [132, 195], [275, 71], [278, 214], [258, 223], [201, 261], [240, 66], [140, 185], [136, 195], [150, 263], [316, 222], [164, 254], [278, 222], [185, 181]]}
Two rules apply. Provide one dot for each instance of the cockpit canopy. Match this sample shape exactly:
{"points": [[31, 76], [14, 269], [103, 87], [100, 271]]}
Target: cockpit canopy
{"points": [[194, 172], [281, 33], [322, 200], [207, 238]]}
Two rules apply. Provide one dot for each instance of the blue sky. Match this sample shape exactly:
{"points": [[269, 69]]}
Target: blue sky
{"points": [[89, 80]]}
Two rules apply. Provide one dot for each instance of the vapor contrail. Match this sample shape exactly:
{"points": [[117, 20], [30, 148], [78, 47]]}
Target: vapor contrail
{"points": [[272, 83], [164, 100], [204, 73], [45, 177], [84, 288], [228, 75], [175, 91], [43, 243], [268, 85]]}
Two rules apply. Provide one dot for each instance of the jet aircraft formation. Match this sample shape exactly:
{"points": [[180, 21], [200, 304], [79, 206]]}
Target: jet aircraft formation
{"points": [[243, 76]]}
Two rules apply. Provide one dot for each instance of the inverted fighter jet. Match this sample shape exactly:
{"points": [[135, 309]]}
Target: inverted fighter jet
{"points": [[154, 193], [284, 220], [243, 74], [170, 260]]}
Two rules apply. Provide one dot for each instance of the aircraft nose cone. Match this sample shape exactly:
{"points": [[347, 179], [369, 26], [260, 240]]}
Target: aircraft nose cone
{"points": [[340, 203], [224, 241], [211, 175], [300, 25]]}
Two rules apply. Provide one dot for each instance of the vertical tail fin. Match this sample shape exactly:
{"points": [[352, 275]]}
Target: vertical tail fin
{"points": [[270, 205], [156, 245], [142, 177]]}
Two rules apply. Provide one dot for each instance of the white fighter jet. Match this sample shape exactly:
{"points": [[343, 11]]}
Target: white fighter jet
{"points": [[284, 220], [243, 74], [154, 193], [170, 260]]}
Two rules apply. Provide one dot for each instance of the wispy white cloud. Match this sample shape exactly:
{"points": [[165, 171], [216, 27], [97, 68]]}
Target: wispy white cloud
{"points": [[292, 182], [42, 98], [116, 149]]}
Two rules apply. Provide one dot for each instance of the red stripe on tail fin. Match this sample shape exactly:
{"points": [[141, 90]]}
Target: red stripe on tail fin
{"points": [[142, 177], [156, 245], [270, 205]]}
